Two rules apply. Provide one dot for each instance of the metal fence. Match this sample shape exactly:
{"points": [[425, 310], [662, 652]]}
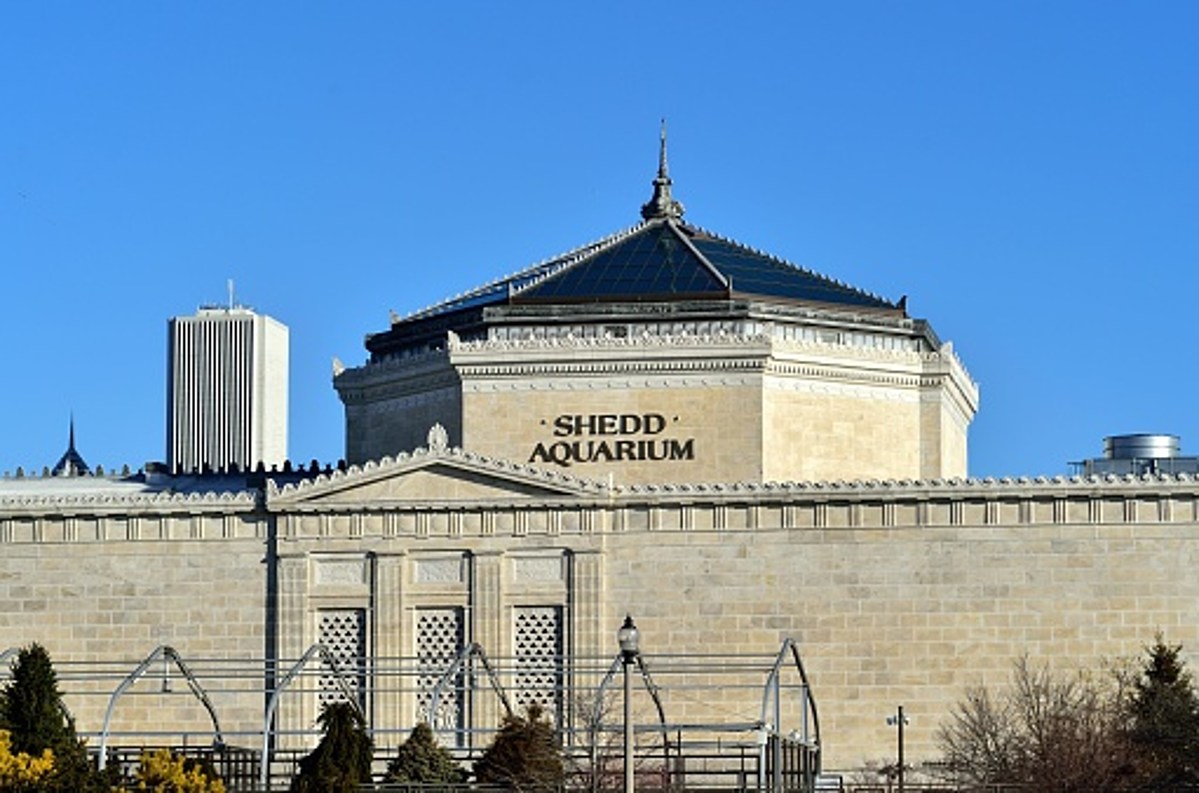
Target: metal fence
{"points": [[733, 722]]}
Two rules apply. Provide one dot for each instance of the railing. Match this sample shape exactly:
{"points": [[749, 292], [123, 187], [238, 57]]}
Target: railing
{"points": [[739, 722]]}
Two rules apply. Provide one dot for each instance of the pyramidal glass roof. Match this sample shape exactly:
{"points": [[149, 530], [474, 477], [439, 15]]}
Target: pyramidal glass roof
{"points": [[661, 259]]}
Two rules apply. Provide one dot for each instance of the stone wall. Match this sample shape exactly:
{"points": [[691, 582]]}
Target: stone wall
{"points": [[666, 408], [898, 593], [102, 589]]}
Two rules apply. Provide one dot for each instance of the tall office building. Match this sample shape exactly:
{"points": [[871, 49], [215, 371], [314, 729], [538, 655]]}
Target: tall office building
{"points": [[227, 390]]}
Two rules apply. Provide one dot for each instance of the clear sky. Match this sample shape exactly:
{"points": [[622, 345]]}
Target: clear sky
{"points": [[1026, 172]]}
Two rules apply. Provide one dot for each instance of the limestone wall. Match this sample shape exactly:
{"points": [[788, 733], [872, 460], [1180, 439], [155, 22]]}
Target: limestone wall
{"points": [[898, 593], [667, 408], [101, 588], [913, 612]]}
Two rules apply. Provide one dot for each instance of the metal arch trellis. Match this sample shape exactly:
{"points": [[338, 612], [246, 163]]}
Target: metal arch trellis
{"points": [[162, 652], [771, 713], [339, 678], [472, 650], [650, 686]]}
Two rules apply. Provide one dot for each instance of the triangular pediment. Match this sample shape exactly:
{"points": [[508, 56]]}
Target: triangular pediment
{"points": [[432, 476]]}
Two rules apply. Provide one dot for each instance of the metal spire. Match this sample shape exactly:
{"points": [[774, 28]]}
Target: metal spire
{"points": [[662, 204]]}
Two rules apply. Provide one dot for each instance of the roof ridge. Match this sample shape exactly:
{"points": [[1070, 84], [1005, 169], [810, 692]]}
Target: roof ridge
{"points": [[547, 265], [784, 263], [704, 260], [580, 254]]}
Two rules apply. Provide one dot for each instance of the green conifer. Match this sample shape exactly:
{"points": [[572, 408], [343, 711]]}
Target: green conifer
{"points": [[342, 760], [421, 760]]}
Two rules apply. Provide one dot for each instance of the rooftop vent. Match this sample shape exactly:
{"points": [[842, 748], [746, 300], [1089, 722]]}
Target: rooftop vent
{"points": [[1138, 454]]}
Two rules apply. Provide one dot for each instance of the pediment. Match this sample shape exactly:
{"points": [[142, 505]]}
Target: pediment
{"points": [[432, 476]]}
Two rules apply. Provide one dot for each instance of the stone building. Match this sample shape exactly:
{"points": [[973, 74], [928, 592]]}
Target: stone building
{"points": [[664, 423]]}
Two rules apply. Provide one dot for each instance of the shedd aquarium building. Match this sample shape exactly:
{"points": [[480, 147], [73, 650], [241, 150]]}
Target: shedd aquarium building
{"points": [[766, 468]]}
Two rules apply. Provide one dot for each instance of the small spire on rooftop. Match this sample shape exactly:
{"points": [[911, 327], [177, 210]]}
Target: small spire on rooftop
{"points": [[662, 205], [71, 463]]}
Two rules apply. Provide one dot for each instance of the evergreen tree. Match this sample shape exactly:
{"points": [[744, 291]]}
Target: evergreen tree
{"points": [[524, 755], [31, 705], [32, 711], [342, 760], [421, 759], [1164, 719]]}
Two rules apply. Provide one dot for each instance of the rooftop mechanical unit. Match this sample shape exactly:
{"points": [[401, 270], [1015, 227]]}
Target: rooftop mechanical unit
{"points": [[1138, 454]]}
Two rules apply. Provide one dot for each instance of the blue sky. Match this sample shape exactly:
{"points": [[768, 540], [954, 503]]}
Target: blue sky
{"points": [[1026, 172]]}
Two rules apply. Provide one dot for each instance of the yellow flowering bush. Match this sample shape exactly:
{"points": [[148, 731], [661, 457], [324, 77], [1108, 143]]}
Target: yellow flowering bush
{"points": [[22, 771], [162, 772]]}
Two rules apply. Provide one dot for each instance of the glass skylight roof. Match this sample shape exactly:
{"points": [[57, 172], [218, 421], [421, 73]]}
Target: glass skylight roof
{"points": [[651, 263], [658, 260], [757, 274]]}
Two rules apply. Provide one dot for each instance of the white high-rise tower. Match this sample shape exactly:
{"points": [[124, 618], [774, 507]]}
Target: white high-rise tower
{"points": [[226, 390]]}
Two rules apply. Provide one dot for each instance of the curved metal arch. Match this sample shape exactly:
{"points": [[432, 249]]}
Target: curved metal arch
{"points": [[472, 650], [650, 686], [771, 687], [162, 652], [339, 678], [6, 654], [771, 711]]}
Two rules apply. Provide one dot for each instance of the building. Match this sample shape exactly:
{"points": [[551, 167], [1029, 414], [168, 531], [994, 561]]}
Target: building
{"points": [[226, 390], [668, 353], [664, 423]]}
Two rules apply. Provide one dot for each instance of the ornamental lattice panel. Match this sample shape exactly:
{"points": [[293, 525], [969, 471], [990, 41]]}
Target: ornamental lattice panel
{"points": [[440, 636], [343, 633], [538, 650]]}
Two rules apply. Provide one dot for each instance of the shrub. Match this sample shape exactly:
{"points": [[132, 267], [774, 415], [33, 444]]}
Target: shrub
{"points": [[524, 755], [33, 714], [421, 759], [20, 771], [342, 760], [162, 772]]}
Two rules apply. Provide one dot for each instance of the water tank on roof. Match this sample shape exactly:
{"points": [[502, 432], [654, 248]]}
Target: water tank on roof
{"points": [[1140, 446]]}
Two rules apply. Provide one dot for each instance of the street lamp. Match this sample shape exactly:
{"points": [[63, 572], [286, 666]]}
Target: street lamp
{"points": [[628, 637], [899, 720]]}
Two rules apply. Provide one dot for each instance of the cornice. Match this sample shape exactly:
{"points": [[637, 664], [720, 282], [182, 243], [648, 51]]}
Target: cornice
{"points": [[112, 502], [400, 365], [639, 342], [1005, 487]]}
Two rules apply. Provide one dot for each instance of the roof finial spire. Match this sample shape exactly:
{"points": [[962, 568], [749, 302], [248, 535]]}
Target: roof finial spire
{"points": [[71, 463], [663, 172], [662, 204]]}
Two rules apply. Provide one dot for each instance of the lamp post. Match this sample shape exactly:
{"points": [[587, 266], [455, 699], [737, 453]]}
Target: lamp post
{"points": [[898, 721], [628, 636]]}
